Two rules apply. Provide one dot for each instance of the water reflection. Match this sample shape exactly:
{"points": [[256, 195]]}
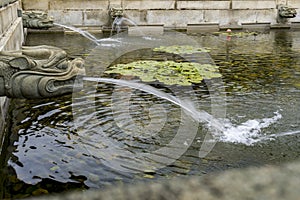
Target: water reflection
{"points": [[261, 75]]}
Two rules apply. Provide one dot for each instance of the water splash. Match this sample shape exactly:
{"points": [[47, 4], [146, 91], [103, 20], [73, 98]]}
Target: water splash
{"points": [[116, 25], [247, 133], [110, 42], [81, 32]]}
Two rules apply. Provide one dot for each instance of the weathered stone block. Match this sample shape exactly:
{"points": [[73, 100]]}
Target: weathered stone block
{"points": [[145, 30], [247, 16], [14, 7], [203, 5], [78, 4], [254, 4], [137, 16], [148, 4], [175, 18], [211, 16], [266, 16], [13, 38], [6, 18], [95, 18], [70, 17], [35, 4], [293, 3]]}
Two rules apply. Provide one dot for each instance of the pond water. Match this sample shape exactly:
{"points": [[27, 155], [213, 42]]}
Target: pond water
{"points": [[98, 137]]}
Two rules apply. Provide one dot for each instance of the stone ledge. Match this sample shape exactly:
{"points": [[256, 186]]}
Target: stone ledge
{"points": [[270, 182], [200, 28], [256, 26]]}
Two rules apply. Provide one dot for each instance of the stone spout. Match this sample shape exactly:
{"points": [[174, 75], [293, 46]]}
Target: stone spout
{"points": [[39, 72], [36, 20], [285, 13], [115, 11]]}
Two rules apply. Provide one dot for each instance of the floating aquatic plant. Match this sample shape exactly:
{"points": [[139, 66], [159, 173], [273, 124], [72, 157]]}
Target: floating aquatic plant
{"points": [[236, 34], [184, 49], [167, 72]]}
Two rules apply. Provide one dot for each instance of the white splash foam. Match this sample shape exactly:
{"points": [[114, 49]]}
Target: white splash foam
{"points": [[249, 132]]}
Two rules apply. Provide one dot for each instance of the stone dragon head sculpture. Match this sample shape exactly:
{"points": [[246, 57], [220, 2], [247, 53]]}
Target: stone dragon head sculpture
{"points": [[36, 20], [39, 72], [286, 12]]}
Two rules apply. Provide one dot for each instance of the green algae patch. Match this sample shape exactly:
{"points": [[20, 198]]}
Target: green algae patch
{"points": [[184, 49], [236, 34], [167, 72]]}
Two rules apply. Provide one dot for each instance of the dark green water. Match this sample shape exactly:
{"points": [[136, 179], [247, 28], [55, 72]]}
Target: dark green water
{"points": [[46, 152]]}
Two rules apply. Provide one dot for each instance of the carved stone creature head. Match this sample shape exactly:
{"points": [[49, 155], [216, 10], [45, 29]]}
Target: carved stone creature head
{"points": [[286, 12], [36, 20], [39, 72], [115, 12]]}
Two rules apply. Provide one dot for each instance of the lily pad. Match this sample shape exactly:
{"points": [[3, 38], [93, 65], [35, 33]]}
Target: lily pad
{"points": [[167, 72], [185, 49]]}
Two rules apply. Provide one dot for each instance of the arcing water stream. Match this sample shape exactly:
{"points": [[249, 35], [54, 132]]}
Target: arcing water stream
{"points": [[46, 153], [248, 133]]}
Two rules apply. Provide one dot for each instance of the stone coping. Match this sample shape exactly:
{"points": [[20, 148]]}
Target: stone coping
{"points": [[269, 182], [190, 28]]}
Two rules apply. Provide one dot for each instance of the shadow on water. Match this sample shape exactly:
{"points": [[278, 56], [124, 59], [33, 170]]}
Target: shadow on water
{"points": [[48, 151]]}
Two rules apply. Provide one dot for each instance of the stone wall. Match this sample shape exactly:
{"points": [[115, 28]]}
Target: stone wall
{"points": [[11, 38], [170, 13]]}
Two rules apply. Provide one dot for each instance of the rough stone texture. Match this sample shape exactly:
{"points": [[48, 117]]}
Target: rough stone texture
{"points": [[175, 18], [253, 4], [294, 3], [145, 30], [148, 4], [200, 28], [95, 17], [11, 38], [269, 182], [71, 17], [171, 13], [7, 16], [11, 33], [138, 16], [246, 16], [36, 5], [36, 20], [78, 5], [80, 18], [212, 5], [36, 72]]}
